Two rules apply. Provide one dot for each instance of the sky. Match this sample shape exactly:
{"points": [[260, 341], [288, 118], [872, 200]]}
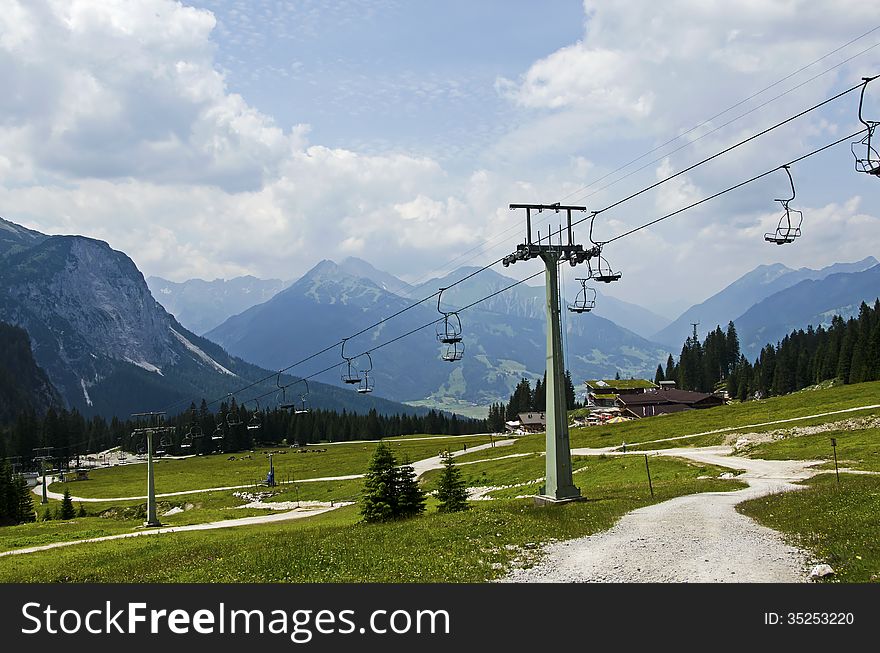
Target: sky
{"points": [[217, 138]]}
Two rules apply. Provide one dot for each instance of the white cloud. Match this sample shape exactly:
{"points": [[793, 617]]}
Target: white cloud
{"points": [[118, 123]]}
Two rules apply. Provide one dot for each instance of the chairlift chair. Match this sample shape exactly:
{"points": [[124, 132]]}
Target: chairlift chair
{"points": [[787, 230], [186, 441], [585, 300], [351, 376], [365, 385], [303, 408], [603, 272], [454, 352], [449, 332], [217, 434], [864, 150], [255, 423], [232, 418], [164, 443]]}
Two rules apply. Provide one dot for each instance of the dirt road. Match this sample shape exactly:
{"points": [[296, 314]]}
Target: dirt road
{"points": [[695, 538]]}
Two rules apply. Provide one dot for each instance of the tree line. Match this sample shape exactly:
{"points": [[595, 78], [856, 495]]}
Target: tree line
{"points": [[16, 504], [848, 350], [70, 435]]}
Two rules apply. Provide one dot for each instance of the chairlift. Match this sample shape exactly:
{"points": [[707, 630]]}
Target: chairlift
{"points": [[217, 434], [303, 406], [255, 423], [603, 272], [351, 376], [232, 418], [449, 333], [364, 383], [786, 230], [454, 352], [164, 443], [186, 441], [864, 150], [585, 300]]}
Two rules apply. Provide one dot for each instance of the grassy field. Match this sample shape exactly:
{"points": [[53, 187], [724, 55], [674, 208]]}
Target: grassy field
{"points": [[733, 417], [837, 524], [857, 449], [473, 546], [216, 470]]}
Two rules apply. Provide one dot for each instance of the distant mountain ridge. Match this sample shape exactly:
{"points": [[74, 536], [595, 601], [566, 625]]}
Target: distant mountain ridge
{"points": [[738, 297], [809, 302], [201, 305], [503, 336]]}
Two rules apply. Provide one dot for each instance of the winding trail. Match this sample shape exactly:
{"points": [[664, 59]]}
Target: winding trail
{"points": [[695, 538], [297, 513]]}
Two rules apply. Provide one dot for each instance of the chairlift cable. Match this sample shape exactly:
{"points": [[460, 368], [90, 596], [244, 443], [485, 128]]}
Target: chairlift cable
{"points": [[479, 270]]}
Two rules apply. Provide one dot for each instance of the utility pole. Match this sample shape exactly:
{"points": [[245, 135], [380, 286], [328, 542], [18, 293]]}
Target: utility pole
{"points": [[43, 458], [153, 426], [559, 485]]}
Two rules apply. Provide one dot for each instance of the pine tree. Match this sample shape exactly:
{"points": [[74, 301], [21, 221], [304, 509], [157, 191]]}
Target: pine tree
{"points": [[25, 505], [658, 375], [410, 496], [7, 495], [451, 489], [570, 395], [67, 511], [380, 499]]}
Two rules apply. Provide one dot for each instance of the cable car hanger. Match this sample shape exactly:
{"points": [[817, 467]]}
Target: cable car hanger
{"points": [[786, 230], [869, 163], [585, 300]]}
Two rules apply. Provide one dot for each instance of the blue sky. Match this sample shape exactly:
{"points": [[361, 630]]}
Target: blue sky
{"points": [[224, 137]]}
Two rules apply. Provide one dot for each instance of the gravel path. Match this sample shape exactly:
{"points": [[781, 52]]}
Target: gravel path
{"points": [[695, 538]]}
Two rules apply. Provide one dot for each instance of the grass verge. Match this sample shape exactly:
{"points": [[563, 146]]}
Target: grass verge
{"points": [[838, 525]]}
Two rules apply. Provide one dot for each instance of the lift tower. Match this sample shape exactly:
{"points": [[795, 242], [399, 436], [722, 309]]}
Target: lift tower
{"points": [[152, 425], [559, 485]]}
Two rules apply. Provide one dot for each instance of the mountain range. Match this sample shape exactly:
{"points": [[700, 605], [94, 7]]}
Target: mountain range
{"points": [[201, 305], [107, 346], [504, 336], [809, 302], [750, 289], [24, 386]]}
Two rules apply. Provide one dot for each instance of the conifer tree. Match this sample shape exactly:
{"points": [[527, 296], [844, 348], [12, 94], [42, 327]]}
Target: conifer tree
{"points": [[410, 496], [380, 499], [67, 511], [451, 490], [25, 504]]}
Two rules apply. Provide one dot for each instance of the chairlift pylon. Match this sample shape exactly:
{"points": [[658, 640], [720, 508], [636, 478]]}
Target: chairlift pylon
{"points": [[585, 300], [786, 230], [864, 150]]}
